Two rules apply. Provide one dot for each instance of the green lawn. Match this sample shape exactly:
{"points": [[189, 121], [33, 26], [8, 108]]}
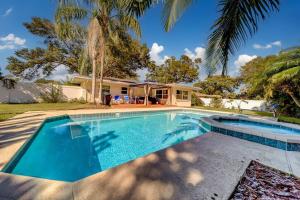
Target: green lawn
{"points": [[9, 110], [282, 118]]}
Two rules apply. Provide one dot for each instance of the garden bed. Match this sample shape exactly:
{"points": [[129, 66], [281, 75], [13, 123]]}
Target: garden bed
{"points": [[263, 182]]}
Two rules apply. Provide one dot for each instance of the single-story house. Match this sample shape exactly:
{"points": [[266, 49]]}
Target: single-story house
{"points": [[167, 94]]}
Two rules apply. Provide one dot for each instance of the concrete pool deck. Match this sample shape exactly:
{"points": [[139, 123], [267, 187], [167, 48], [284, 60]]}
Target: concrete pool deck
{"points": [[207, 167]]}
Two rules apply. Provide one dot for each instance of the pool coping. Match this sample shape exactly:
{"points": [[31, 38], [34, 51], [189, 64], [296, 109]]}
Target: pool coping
{"points": [[69, 190], [9, 166], [277, 140]]}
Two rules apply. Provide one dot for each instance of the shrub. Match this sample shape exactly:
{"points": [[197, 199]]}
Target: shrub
{"points": [[80, 100], [216, 103], [54, 95], [196, 101]]}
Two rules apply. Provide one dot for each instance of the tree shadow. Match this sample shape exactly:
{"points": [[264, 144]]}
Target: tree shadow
{"points": [[20, 187], [17, 124], [180, 130], [169, 174], [10, 138], [103, 141], [24, 117]]}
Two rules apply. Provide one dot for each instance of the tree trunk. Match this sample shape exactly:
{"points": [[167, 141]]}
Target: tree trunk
{"points": [[295, 99], [94, 79], [102, 55]]}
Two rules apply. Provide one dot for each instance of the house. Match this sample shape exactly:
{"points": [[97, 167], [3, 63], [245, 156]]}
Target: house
{"points": [[167, 94]]}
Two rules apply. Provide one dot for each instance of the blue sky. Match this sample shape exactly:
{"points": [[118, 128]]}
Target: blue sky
{"points": [[281, 30]]}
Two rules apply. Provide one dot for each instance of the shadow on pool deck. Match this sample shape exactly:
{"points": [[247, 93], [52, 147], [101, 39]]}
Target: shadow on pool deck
{"points": [[207, 167], [15, 131]]}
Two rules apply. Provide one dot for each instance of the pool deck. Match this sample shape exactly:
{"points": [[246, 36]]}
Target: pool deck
{"points": [[207, 167]]}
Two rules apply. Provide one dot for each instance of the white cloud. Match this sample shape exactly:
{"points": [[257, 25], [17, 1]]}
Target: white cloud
{"points": [[267, 46], [243, 59], [277, 43], [11, 38], [258, 46], [11, 42], [155, 52], [199, 52], [7, 46], [60, 73], [7, 12]]}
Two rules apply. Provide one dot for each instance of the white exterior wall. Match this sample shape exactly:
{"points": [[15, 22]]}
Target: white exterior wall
{"points": [[115, 90], [73, 92], [25, 92], [259, 105], [180, 102]]}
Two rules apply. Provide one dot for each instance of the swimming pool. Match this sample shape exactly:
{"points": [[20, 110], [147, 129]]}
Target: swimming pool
{"points": [[71, 148], [260, 126]]}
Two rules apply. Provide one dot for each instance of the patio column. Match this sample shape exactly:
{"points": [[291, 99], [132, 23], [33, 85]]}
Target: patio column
{"points": [[146, 95], [147, 89], [169, 96]]}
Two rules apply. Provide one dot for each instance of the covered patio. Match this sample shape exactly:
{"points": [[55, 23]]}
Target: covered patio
{"points": [[129, 106], [150, 88]]}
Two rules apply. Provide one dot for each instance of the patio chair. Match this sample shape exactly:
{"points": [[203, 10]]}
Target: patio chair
{"points": [[126, 99], [116, 99], [153, 100], [141, 100]]}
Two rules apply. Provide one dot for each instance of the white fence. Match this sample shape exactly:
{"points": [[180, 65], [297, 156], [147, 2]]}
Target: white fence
{"points": [[25, 92], [259, 105]]}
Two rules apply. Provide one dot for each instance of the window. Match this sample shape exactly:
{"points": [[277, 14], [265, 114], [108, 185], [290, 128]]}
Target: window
{"points": [[162, 94], [124, 90], [182, 95]]}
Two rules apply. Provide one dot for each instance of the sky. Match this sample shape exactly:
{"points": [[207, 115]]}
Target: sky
{"points": [[189, 35]]}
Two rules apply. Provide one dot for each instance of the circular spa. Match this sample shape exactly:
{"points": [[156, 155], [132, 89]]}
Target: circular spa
{"points": [[275, 134]]}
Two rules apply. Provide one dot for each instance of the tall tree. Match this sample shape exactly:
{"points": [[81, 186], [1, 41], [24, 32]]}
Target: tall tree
{"points": [[219, 85], [106, 19], [251, 75], [30, 63], [284, 75], [238, 20], [122, 60], [184, 70], [275, 78]]}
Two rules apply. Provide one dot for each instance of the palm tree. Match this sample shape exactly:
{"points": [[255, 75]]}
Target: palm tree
{"points": [[107, 18], [285, 75], [238, 20]]}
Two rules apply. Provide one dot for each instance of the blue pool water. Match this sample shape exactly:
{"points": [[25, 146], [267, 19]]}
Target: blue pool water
{"points": [[69, 150], [261, 127]]}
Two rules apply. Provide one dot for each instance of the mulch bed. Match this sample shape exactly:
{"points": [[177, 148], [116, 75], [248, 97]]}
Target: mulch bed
{"points": [[266, 183]]}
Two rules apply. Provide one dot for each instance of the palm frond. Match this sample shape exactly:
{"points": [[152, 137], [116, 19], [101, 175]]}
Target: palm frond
{"points": [[131, 23], [173, 10], [69, 13], [285, 75], [281, 66], [138, 7], [66, 18], [238, 20]]}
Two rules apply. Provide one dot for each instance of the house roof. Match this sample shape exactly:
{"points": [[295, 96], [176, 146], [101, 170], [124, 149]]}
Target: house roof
{"points": [[132, 83], [79, 79], [151, 84]]}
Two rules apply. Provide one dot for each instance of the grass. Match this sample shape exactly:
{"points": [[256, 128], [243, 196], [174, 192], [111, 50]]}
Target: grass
{"points": [[281, 118], [9, 110], [289, 119]]}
